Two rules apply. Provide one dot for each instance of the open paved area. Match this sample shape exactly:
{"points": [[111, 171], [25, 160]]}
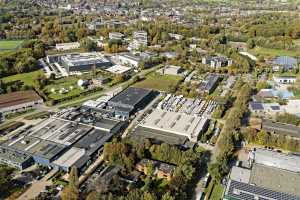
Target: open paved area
{"points": [[37, 187]]}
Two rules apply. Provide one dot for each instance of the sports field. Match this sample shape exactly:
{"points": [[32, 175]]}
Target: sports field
{"points": [[10, 44]]}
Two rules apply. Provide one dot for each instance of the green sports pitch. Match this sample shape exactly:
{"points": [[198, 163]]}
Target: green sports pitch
{"points": [[10, 44]]}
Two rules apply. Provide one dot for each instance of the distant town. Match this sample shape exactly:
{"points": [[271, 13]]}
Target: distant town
{"points": [[150, 100]]}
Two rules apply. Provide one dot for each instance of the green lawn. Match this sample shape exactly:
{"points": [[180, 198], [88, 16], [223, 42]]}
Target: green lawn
{"points": [[273, 52], [10, 44], [26, 78], [217, 192], [158, 82], [63, 83]]}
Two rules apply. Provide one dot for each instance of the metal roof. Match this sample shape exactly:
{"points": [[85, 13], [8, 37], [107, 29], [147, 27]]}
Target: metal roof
{"points": [[278, 160], [93, 141], [275, 179], [17, 98], [177, 123], [141, 133], [243, 191], [130, 96], [281, 128]]}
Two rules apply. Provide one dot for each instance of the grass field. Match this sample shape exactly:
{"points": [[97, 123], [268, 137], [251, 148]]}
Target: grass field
{"points": [[257, 51], [10, 44], [217, 192], [158, 82], [26, 78], [63, 83]]}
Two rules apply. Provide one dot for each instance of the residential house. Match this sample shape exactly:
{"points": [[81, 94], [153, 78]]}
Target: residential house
{"points": [[161, 170]]}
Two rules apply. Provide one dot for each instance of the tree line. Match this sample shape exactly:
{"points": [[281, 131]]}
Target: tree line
{"points": [[230, 134]]}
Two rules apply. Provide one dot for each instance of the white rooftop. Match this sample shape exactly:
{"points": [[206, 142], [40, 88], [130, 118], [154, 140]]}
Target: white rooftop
{"points": [[177, 123], [69, 44], [292, 107], [84, 58], [118, 69], [70, 157], [91, 103]]}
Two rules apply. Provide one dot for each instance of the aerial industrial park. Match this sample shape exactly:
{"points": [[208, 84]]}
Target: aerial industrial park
{"points": [[150, 100]]}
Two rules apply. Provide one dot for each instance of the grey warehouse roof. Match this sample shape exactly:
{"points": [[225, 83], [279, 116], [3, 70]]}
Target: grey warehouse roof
{"points": [[130, 96], [34, 146], [275, 179], [93, 141], [278, 160], [141, 133]]}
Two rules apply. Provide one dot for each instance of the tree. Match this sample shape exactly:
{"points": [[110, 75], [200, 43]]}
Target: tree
{"points": [[119, 78], [73, 177], [88, 45], [5, 180], [263, 137], [262, 85], [149, 196], [251, 43], [70, 193], [167, 196]]}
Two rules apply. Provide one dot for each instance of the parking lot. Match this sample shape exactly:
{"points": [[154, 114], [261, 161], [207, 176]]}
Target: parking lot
{"points": [[180, 104]]}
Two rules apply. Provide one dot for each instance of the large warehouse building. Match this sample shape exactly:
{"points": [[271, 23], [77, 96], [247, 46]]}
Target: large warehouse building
{"points": [[268, 177], [129, 101], [177, 123], [19, 101], [66, 139]]}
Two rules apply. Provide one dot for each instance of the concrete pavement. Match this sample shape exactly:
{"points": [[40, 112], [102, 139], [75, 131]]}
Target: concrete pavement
{"points": [[37, 187]]}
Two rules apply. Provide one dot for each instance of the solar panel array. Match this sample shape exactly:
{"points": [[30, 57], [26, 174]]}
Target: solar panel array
{"points": [[246, 191], [256, 106]]}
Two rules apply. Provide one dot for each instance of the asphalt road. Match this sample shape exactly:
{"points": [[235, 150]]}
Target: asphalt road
{"points": [[109, 90]]}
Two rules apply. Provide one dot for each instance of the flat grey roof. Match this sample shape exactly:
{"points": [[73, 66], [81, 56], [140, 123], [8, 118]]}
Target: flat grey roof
{"points": [[34, 146], [69, 158], [178, 123], [276, 179], [106, 124], [90, 58], [60, 131], [130, 96], [131, 57], [14, 156], [93, 141], [278, 160], [141, 133], [281, 128], [240, 174], [212, 80]]}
